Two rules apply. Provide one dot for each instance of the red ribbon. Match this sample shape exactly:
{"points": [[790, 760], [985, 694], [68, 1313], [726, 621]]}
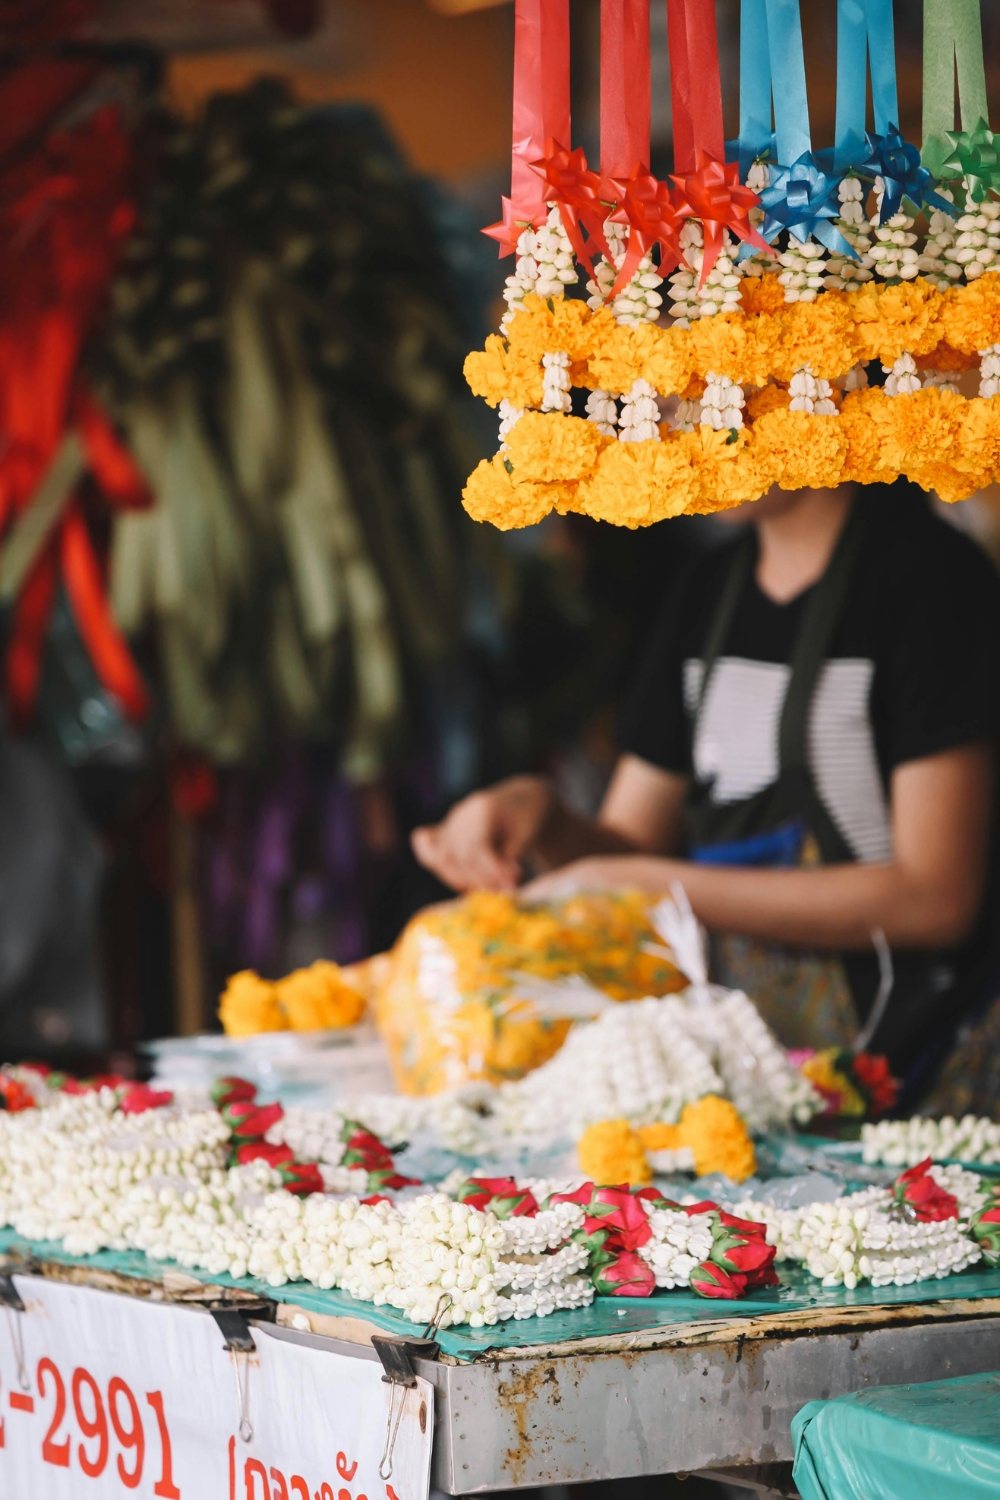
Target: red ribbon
{"points": [[584, 199], [648, 208], [541, 111], [695, 82], [713, 194], [625, 102]]}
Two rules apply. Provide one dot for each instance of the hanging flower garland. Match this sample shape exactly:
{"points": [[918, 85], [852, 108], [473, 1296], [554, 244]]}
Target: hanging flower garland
{"points": [[877, 255]]}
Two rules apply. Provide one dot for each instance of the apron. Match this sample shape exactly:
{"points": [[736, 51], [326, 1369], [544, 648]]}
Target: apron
{"points": [[806, 998]]}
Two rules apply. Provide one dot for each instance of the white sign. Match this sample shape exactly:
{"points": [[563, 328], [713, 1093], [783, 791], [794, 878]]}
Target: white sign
{"points": [[113, 1398]]}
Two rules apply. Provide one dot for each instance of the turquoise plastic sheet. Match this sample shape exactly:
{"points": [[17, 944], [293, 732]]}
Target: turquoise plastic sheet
{"points": [[605, 1316], [902, 1442]]}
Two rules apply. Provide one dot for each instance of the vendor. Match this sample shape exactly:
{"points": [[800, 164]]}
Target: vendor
{"points": [[810, 749]]}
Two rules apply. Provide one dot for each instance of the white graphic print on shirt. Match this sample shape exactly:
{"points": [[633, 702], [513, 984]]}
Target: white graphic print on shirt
{"points": [[737, 741]]}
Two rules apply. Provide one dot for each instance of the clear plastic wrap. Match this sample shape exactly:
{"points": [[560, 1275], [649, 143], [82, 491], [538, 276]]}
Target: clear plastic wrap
{"points": [[456, 1005]]}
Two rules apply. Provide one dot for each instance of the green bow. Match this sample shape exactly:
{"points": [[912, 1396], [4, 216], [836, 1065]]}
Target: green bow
{"points": [[974, 156]]}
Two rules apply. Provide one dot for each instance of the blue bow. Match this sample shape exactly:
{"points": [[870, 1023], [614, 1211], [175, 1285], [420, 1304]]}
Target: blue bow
{"points": [[898, 164], [803, 199]]}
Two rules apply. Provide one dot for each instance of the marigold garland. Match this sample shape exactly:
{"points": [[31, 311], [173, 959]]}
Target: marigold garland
{"points": [[317, 998], [710, 1128], [553, 462]]}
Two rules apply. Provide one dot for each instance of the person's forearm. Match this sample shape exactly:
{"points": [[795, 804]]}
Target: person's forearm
{"points": [[833, 906]]}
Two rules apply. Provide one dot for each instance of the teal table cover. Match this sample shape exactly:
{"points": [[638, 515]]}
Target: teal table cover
{"points": [[939, 1441]]}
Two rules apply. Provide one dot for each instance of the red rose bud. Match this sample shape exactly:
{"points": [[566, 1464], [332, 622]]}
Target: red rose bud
{"points": [[917, 1189], [748, 1256], [519, 1205], [618, 1210], [582, 1195], [710, 1280], [138, 1097], [627, 1275], [232, 1090], [302, 1178], [876, 1082], [108, 1081], [392, 1180], [986, 1232], [374, 1198], [748, 1227], [655, 1198], [251, 1122], [275, 1156], [15, 1096], [707, 1207]]}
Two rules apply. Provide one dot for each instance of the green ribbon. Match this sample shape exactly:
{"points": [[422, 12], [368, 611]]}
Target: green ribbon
{"points": [[975, 159], [953, 36]]}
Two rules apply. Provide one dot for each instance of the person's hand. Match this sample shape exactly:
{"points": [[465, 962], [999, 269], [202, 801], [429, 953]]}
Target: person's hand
{"points": [[598, 874], [484, 841]]}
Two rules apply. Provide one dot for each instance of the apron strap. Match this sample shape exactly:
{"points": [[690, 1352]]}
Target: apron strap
{"points": [[732, 590], [820, 620]]}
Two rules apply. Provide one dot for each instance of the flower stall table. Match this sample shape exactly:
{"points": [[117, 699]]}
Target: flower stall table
{"points": [[615, 1390]]}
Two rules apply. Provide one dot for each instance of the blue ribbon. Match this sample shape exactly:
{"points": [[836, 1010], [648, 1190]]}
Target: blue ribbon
{"points": [[803, 199], [897, 162], [864, 37], [772, 64]]}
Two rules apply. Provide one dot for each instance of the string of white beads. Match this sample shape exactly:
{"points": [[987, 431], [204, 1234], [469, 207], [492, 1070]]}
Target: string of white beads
{"points": [[556, 383], [722, 404], [602, 410], [843, 272], [640, 300], [811, 395], [901, 376], [899, 1143], [721, 290], [640, 414]]}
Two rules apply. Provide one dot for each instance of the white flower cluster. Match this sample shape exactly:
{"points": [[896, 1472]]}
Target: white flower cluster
{"points": [[897, 1143], [689, 299], [989, 371], [686, 415], [556, 383], [803, 271], [640, 300], [602, 410], [862, 1237], [65, 1168], [842, 271], [509, 414], [902, 378], [544, 265], [640, 415], [680, 1242], [757, 1075], [811, 395], [893, 254], [975, 246], [937, 261], [722, 403]]}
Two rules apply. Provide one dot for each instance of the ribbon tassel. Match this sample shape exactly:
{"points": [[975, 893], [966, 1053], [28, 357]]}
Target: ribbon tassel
{"points": [[625, 88]]}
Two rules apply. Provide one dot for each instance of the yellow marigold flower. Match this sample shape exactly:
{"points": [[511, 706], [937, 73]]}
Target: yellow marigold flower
{"points": [[660, 1136], [547, 447], [761, 294], [250, 1005], [611, 1152], [715, 1131], [318, 998]]}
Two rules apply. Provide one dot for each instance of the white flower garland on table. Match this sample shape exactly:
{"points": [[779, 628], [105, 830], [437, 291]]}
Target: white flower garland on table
{"points": [[865, 1237], [897, 1143], [680, 1243]]}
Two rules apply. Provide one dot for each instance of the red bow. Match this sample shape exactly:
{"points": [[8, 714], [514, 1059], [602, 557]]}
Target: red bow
{"points": [[648, 208], [714, 194], [508, 230], [584, 198]]}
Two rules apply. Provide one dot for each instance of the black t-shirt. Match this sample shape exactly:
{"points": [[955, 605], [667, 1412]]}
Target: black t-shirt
{"points": [[913, 669]]}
